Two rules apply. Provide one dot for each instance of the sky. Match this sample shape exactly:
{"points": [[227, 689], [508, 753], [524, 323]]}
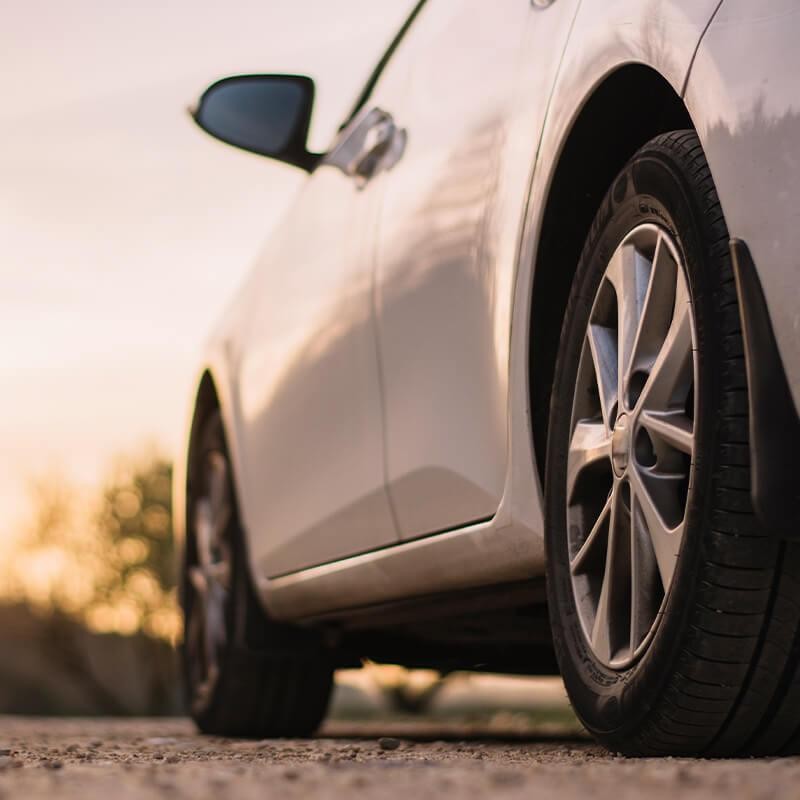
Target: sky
{"points": [[123, 228]]}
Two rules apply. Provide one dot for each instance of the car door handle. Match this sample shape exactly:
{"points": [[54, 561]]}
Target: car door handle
{"points": [[375, 143]]}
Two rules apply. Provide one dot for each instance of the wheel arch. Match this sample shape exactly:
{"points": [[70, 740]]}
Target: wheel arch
{"points": [[213, 392], [205, 400], [631, 105], [206, 403]]}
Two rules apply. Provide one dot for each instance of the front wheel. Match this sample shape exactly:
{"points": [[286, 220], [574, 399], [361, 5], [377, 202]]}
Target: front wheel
{"points": [[674, 616]]}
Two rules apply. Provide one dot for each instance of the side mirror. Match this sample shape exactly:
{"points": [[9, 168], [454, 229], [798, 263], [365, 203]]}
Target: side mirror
{"points": [[264, 114]]}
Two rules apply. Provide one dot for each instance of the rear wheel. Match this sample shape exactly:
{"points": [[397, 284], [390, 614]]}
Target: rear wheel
{"points": [[245, 675], [674, 616]]}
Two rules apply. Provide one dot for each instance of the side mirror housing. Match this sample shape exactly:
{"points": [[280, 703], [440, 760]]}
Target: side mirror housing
{"points": [[265, 114]]}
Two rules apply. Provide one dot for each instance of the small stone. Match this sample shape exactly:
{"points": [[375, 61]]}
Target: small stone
{"points": [[55, 764], [291, 774], [173, 759], [73, 748], [96, 743], [388, 743]]}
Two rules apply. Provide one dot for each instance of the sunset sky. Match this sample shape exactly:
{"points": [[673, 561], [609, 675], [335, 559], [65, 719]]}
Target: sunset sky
{"points": [[123, 228]]}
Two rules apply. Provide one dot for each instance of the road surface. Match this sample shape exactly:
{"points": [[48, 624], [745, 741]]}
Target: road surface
{"points": [[62, 759]]}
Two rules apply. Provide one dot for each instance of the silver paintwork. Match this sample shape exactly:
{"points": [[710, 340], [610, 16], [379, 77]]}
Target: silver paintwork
{"points": [[373, 371], [446, 562], [440, 318], [630, 459], [744, 97]]}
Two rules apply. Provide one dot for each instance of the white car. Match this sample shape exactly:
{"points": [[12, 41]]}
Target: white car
{"points": [[534, 314]]}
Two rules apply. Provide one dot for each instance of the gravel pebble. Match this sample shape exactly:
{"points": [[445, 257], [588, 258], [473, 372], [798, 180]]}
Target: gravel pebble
{"points": [[457, 759], [388, 743]]}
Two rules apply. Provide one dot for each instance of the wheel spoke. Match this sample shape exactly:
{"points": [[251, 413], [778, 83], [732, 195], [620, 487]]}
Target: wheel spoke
{"points": [[202, 613], [215, 619], [197, 578], [645, 578], [604, 617], [666, 541], [629, 274], [218, 495], [671, 376], [595, 534], [673, 428], [657, 311], [603, 347], [208, 615], [590, 444], [204, 531]]}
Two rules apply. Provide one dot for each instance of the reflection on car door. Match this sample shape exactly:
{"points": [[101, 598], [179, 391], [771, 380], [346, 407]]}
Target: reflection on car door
{"points": [[442, 328]]}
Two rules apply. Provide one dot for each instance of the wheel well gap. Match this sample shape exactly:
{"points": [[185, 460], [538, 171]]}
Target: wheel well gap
{"points": [[630, 107]]}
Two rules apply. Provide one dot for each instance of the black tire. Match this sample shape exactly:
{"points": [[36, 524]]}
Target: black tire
{"points": [[272, 680], [720, 676]]}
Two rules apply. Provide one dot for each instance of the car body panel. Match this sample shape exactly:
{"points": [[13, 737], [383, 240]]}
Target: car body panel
{"points": [[584, 43], [510, 546], [309, 398], [744, 97], [442, 324]]}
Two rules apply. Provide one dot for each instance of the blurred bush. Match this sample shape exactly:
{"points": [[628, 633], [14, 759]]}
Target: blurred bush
{"points": [[91, 619], [135, 592]]}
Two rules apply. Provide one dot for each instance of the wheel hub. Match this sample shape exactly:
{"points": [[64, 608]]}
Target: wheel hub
{"points": [[621, 445]]}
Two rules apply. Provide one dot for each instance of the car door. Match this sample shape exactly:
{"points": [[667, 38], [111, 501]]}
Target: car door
{"points": [[442, 307], [308, 379]]}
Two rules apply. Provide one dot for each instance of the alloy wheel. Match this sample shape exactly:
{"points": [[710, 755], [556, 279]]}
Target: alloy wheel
{"points": [[630, 458], [209, 578]]}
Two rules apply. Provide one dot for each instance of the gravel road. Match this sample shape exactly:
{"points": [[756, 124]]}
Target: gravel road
{"points": [[122, 759]]}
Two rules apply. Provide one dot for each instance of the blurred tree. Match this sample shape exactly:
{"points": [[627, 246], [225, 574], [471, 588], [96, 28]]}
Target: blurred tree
{"points": [[134, 525], [108, 563], [91, 616]]}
